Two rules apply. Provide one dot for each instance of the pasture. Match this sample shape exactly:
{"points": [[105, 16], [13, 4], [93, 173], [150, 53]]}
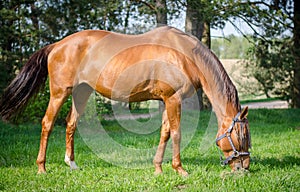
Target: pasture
{"points": [[275, 157]]}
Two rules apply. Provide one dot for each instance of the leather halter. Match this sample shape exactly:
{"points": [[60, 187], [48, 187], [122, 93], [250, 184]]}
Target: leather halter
{"points": [[227, 134]]}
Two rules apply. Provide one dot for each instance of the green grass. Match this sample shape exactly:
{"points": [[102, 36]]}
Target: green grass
{"points": [[260, 100], [275, 162]]}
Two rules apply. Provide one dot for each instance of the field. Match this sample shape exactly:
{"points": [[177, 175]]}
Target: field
{"points": [[275, 159]]}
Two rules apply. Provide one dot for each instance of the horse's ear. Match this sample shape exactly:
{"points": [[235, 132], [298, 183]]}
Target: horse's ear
{"points": [[244, 113]]}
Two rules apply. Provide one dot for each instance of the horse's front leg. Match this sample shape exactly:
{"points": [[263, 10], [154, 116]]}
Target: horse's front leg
{"points": [[164, 137], [171, 127], [173, 108]]}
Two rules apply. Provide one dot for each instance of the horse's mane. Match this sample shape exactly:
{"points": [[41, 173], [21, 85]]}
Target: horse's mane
{"points": [[223, 82], [221, 78], [210, 61], [244, 136]]}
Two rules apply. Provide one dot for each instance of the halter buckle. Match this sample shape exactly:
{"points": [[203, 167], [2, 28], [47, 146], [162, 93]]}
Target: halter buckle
{"points": [[235, 154]]}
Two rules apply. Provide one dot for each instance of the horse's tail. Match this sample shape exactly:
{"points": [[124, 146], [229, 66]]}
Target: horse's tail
{"points": [[30, 80]]}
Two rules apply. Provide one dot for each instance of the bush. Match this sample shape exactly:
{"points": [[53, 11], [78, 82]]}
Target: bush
{"points": [[36, 108], [103, 105], [270, 62]]}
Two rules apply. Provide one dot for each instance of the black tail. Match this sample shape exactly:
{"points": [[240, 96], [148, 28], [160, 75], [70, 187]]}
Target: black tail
{"points": [[26, 84]]}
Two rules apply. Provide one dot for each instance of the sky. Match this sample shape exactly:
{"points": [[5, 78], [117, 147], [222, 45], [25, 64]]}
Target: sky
{"points": [[228, 29]]}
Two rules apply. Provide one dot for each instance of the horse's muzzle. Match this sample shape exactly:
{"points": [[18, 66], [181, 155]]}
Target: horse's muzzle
{"points": [[240, 164]]}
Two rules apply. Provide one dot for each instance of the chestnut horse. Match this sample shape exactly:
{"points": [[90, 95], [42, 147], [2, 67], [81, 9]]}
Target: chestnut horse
{"points": [[164, 64]]}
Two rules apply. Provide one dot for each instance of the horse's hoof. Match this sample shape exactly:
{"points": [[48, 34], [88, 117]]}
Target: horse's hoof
{"points": [[70, 163], [73, 165], [182, 172], [41, 172], [158, 169], [156, 173], [41, 168]]}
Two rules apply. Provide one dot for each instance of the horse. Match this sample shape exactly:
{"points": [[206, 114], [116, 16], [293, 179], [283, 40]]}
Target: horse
{"points": [[164, 64]]}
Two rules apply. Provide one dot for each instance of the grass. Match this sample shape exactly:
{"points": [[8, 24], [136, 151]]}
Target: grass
{"points": [[275, 156]]}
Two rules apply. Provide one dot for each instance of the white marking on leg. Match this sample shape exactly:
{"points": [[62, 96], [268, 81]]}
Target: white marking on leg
{"points": [[67, 159], [72, 164]]}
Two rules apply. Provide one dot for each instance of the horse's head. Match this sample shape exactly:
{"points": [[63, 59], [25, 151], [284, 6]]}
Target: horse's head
{"points": [[235, 142]]}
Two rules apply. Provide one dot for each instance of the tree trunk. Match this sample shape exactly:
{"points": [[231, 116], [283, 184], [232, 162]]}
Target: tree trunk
{"points": [[206, 35], [193, 24], [200, 29], [161, 20], [207, 41], [126, 19], [34, 16], [161, 13], [296, 52]]}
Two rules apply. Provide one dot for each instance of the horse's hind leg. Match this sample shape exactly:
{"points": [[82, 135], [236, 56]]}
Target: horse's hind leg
{"points": [[57, 99], [80, 96]]}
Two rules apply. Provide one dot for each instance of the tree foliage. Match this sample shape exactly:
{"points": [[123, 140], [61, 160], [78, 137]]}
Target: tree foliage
{"points": [[271, 63], [272, 59], [28, 25], [275, 54]]}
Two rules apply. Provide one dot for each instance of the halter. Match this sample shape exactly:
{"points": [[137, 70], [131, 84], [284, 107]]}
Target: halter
{"points": [[227, 134]]}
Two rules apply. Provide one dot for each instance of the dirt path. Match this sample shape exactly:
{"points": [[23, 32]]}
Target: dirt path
{"points": [[268, 105], [255, 105], [129, 117]]}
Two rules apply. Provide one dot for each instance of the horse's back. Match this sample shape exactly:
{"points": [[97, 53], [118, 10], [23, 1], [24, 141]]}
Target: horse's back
{"points": [[146, 66], [114, 63]]}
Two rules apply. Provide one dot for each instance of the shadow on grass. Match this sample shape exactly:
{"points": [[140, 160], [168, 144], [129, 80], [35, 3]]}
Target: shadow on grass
{"points": [[257, 163], [286, 161]]}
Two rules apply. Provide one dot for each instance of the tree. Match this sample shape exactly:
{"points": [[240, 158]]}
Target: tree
{"points": [[201, 15], [296, 54], [274, 22], [26, 26], [271, 65], [281, 37], [20, 34], [158, 8], [161, 12], [195, 25]]}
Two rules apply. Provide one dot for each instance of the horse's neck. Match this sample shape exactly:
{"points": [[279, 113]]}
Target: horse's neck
{"points": [[225, 104], [225, 114]]}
